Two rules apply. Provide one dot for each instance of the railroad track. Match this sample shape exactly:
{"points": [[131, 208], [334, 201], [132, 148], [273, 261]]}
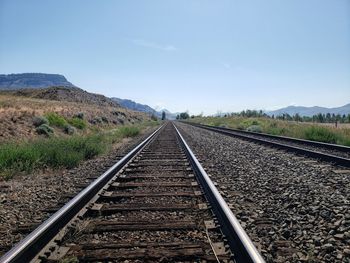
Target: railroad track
{"points": [[337, 154], [156, 204]]}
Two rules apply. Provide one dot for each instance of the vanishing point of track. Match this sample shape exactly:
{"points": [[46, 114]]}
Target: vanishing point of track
{"points": [[156, 204]]}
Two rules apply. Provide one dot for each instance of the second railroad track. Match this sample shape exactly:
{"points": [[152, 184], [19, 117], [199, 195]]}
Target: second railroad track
{"points": [[337, 154]]}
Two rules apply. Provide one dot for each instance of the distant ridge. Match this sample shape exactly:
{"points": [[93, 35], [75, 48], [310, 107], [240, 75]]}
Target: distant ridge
{"points": [[132, 105], [310, 111], [32, 80], [57, 87]]}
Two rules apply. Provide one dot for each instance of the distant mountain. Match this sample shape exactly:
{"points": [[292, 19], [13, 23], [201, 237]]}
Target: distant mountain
{"points": [[57, 87], [132, 105], [67, 94], [32, 80], [310, 111]]}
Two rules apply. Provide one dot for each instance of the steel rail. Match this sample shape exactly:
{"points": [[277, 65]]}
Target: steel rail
{"points": [[310, 153], [31, 245], [241, 245], [341, 148]]}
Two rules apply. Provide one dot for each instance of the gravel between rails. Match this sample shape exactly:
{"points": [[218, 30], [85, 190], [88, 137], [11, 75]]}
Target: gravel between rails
{"points": [[24, 199], [294, 210]]}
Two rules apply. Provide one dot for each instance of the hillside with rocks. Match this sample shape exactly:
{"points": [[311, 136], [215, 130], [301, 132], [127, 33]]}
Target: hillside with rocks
{"points": [[20, 108], [69, 94]]}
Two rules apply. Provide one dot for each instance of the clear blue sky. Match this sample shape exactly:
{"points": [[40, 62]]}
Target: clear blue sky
{"points": [[201, 56]]}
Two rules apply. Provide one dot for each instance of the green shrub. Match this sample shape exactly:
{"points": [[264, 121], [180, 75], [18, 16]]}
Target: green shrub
{"points": [[57, 152], [69, 129], [128, 131], [44, 129], [276, 131], [249, 122], [254, 128], [78, 123], [321, 134], [39, 120], [51, 152], [95, 145], [15, 157], [56, 120]]}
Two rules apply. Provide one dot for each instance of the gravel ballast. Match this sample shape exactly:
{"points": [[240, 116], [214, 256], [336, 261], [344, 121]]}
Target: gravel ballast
{"points": [[295, 209], [27, 200]]}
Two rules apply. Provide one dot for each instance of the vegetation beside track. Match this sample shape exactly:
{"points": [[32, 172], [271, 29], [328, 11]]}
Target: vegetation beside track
{"points": [[308, 131], [62, 152]]}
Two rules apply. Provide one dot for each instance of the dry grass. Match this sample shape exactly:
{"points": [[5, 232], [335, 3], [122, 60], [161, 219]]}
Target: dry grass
{"points": [[303, 130], [60, 152], [17, 113]]}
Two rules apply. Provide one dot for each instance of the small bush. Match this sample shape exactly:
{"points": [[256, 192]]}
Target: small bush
{"points": [[276, 131], [94, 145], [104, 119], [58, 152], [249, 122], [79, 115], [44, 129], [51, 152], [14, 158], [321, 134], [70, 130], [56, 120], [39, 120], [78, 123], [129, 131], [254, 128], [96, 120]]}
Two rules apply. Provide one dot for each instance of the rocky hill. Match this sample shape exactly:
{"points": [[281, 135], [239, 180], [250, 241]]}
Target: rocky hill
{"points": [[20, 108], [69, 94], [32, 80]]}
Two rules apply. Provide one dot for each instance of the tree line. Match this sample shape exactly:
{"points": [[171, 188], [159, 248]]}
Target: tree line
{"points": [[320, 118]]}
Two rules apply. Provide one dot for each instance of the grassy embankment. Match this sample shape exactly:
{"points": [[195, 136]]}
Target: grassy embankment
{"points": [[62, 151], [300, 130]]}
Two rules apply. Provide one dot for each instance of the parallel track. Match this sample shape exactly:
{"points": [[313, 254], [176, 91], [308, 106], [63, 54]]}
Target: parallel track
{"points": [[336, 154], [157, 204]]}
